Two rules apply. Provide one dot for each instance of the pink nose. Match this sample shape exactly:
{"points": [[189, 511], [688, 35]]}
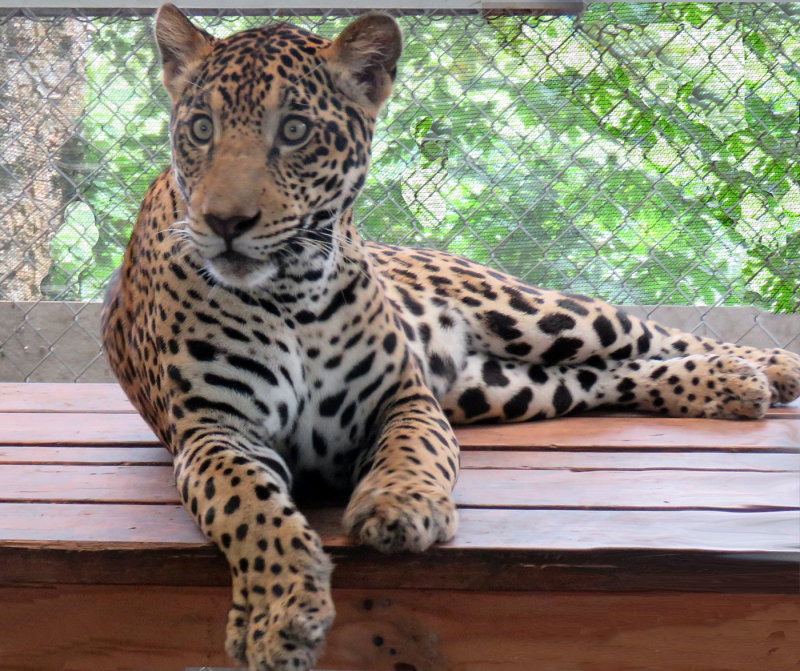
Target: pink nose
{"points": [[230, 227]]}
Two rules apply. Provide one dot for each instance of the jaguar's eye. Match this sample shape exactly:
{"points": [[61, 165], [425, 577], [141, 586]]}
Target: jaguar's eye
{"points": [[202, 128], [294, 129]]}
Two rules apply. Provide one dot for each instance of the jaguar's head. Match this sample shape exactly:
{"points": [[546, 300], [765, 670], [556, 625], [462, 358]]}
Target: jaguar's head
{"points": [[271, 132]]}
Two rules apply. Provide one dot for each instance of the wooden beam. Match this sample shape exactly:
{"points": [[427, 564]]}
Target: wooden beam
{"points": [[160, 628]]}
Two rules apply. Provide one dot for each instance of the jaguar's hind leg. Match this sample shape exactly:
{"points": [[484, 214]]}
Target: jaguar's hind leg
{"points": [[698, 385]]}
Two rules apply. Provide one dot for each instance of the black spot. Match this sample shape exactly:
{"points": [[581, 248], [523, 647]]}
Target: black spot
{"points": [[561, 350], [555, 323], [389, 343], [235, 334], [658, 372], [626, 384], [319, 443], [201, 350], [252, 366], [232, 505], [518, 302], [347, 415], [622, 353], [624, 321], [572, 306], [492, 374], [413, 306], [424, 333], [537, 374], [210, 490], [587, 379], [502, 325], [283, 413], [473, 403], [175, 268], [361, 368], [518, 404], [605, 330], [518, 349], [690, 365], [562, 399], [329, 406], [436, 364], [680, 345]]}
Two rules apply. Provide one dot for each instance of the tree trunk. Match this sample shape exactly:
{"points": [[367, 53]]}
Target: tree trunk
{"points": [[42, 97]]}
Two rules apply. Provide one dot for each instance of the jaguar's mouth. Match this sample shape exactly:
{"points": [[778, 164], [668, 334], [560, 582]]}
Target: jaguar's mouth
{"points": [[239, 270], [233, 257]]}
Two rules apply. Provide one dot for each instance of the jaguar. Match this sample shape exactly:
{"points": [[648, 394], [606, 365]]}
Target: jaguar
{"points": [[277, 354]]}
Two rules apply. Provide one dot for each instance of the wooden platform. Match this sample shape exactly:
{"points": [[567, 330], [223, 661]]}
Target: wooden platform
{"points": [[599, 543]]}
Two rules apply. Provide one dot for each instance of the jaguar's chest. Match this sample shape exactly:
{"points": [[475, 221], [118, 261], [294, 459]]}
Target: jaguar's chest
{"points": [[306, 378]]}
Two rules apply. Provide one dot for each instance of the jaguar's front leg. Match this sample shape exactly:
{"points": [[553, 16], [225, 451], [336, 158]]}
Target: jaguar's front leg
{"points": [[403, 501], [238, 494]]}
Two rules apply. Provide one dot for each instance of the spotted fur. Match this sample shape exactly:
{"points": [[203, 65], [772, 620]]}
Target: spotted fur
{"points": [[277, 354]]}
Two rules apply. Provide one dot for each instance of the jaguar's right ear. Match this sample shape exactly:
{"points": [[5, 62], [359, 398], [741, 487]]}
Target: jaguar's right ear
{"points": [[182, 46]]}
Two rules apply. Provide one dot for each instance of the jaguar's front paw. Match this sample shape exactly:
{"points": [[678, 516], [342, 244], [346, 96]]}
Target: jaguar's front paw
{"points": [[392, 519], [282, 606]]}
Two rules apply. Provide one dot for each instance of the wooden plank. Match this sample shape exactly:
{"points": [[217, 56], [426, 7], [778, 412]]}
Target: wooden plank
{"points": [[105, 628], [712, 490], [591, 433], [110, 456], [115, 526], [491, 459], [571, 433], [35, 428], [64, 397], [96, 484], [621, 461], [109, 397], [499, 550], [667, 489]]}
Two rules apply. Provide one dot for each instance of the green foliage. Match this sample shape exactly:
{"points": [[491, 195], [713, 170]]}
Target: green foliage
{"points": [[645, 152]]}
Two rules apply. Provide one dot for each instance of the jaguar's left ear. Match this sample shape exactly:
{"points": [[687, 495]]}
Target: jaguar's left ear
{"points": [[363, 59]]}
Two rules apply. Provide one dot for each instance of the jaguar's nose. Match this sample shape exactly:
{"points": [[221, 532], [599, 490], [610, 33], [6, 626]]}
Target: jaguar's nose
{"points": [[229, 228]]}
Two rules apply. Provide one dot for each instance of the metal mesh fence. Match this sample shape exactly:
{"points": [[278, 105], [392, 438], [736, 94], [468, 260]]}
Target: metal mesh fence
{"points": [[640, 152]]}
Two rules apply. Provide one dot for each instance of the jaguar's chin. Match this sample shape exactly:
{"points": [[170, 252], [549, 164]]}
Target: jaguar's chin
{"points": [[237, 270]]}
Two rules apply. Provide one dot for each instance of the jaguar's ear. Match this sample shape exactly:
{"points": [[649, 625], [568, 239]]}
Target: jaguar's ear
{"points": [[363, 59], [182, 45]]}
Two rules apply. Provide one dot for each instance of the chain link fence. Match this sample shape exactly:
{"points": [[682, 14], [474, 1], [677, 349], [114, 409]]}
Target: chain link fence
{"points": [[640, 152]]}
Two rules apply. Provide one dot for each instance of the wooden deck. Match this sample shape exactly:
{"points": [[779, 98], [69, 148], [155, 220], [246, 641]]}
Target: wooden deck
{"points": [[599, 543]]}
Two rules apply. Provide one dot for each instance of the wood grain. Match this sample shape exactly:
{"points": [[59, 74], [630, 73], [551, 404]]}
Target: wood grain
{"points": [[110, 456], [112, 526], [651, 433], [475, 459], [105, 628], [64, 397], [79, 428], [495, 488], [570, 433], [629, 460]]}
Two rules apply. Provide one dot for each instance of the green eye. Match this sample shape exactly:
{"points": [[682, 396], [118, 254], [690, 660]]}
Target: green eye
{"points": [[294, 129], [202, 128]]}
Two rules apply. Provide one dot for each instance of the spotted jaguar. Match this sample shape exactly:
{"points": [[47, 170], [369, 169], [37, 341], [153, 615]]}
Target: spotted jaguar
{"points": [[277, 354]]}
